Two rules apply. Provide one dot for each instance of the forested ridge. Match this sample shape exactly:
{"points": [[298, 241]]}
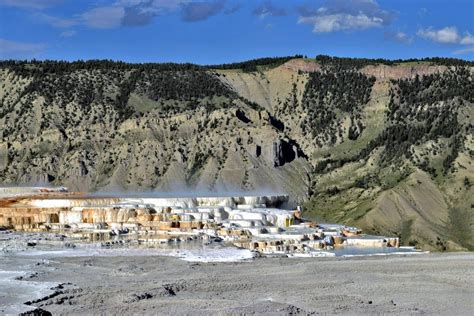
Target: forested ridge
{"points": [[420, 110], [339, 63]]}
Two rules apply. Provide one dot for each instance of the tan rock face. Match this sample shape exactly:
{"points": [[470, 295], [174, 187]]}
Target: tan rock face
{"points": [[384, 72], [301, 65]]}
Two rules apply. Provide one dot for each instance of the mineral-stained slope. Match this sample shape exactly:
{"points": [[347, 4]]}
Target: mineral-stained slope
{"points": [[384, 145]]}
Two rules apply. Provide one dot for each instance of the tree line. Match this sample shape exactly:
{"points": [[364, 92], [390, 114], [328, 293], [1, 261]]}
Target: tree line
{"points": [[338, 63]]}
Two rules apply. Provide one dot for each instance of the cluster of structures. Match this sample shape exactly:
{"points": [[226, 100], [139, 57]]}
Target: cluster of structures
{"points": [[267, 224]]}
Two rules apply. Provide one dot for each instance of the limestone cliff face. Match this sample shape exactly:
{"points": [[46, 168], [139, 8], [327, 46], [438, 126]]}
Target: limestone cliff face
{"points": [[349, 141]]}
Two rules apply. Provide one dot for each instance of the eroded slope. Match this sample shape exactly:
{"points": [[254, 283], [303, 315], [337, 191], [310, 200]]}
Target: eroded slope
{"points": [[384, 145]]}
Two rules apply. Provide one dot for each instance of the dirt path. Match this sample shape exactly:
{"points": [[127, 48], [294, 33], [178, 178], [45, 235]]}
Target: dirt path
{"points": [[429, 283]]}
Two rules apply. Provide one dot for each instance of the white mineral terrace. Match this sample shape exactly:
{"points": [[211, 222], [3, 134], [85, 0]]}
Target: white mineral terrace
{"points": [[183, 202], [265, 224]]}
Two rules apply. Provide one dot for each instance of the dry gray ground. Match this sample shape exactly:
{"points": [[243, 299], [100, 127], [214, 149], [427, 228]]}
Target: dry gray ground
{"points": [[429, 283]]}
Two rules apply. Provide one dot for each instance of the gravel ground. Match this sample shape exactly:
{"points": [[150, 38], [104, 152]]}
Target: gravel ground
{"points": [[416, 284]]}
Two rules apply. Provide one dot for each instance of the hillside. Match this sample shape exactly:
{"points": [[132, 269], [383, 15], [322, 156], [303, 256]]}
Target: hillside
{"points": [[385, 145]]}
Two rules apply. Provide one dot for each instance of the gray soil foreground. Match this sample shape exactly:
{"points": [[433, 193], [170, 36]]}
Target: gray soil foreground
{"points": [[417, 284]]}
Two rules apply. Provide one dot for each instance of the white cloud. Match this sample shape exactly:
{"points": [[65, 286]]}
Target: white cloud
{"points": [[19, 50], [199, 11], [402, 37], [98, 18], [103, 17], [153, 4], [399, 36], [464, 51], [468, 39], [340, 22], [267, 8], [341, 15], [131, 13], [447, 35]]}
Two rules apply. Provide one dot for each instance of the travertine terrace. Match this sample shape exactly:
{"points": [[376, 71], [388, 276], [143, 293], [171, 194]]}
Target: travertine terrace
{"points": [[266, 224]]}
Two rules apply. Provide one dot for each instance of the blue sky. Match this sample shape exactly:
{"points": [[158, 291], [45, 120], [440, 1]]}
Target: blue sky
{"points": [[219, 31]]}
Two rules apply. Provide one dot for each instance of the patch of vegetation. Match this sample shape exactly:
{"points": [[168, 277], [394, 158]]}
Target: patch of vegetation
{"points": [[252, 65], [328, 97], [141, 103], [405, 232], [126, 87], [461, 227], [198, 163], [181, 85]]}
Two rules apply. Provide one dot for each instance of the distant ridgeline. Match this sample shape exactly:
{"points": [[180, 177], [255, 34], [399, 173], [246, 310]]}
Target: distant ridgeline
{"points": [[357, 63], [385, 145], [252, 65], [345, 62]]}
